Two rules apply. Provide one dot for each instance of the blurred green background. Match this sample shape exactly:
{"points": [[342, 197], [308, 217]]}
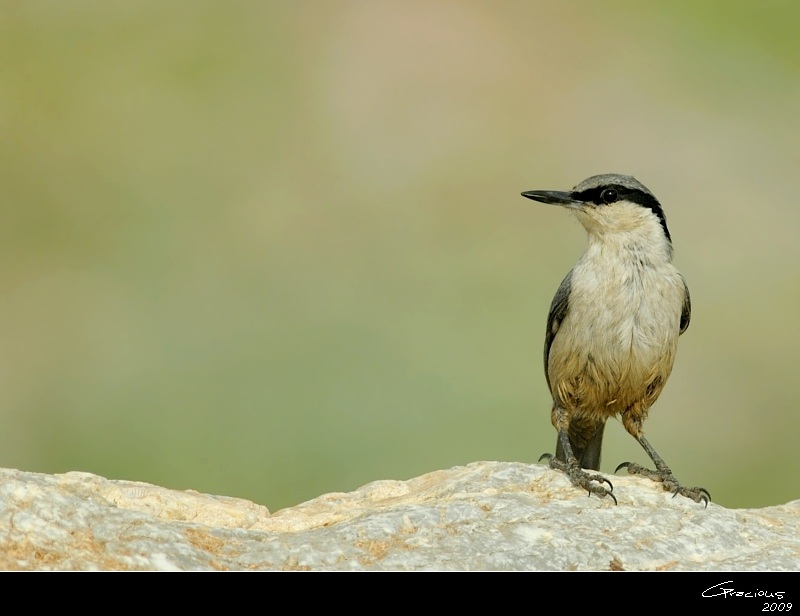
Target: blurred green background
{"points": [[277, 249]]}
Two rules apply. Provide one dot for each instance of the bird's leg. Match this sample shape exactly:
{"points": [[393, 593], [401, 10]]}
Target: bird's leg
{"points": [[663, 473], [592, 483]]}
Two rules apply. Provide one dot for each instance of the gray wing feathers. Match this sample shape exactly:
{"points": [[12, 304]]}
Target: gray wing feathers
{"points": [[558, 311], [686, 312]]}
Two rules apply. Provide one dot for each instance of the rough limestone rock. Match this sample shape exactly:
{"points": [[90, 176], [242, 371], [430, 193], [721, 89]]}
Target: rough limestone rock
{"points": [[485, 516]]}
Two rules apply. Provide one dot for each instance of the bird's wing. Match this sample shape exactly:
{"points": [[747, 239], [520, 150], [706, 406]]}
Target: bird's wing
{"points": [[558, 310], [686, 311]]}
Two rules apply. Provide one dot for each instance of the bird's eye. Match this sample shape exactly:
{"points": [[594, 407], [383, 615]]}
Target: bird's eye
{"points": [[609, 195]]}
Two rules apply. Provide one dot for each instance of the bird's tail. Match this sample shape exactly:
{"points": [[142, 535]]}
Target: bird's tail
{"points": [[586, 442]]}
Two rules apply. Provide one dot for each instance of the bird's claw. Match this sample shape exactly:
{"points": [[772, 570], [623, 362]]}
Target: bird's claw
{"points": [[668, 482], [603, 479], [608, 491], [623, 465], [696, 494], [592, 483]]}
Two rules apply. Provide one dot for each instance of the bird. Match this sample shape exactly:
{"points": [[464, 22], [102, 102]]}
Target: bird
{"points": [[613, 328]]}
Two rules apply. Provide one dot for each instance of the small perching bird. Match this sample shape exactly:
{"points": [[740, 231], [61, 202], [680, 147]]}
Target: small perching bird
{"points": [[613, 327]]}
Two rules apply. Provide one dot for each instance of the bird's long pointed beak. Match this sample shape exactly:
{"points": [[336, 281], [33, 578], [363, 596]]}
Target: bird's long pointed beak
{"points": [[554, 197]]}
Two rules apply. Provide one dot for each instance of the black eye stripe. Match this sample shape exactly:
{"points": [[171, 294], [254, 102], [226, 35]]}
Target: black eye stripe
{"points": [[645, 199]]}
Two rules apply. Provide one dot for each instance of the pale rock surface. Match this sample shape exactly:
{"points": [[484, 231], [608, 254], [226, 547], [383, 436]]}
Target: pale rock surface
{"points": [[484, 516]]}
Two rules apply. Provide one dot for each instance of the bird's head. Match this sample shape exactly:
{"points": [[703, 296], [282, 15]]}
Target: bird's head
{"points": [[611, 204]]}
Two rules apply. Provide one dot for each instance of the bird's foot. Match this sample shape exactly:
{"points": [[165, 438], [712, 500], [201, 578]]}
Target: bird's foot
{"points": [[668, 482], [592, 483]]}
